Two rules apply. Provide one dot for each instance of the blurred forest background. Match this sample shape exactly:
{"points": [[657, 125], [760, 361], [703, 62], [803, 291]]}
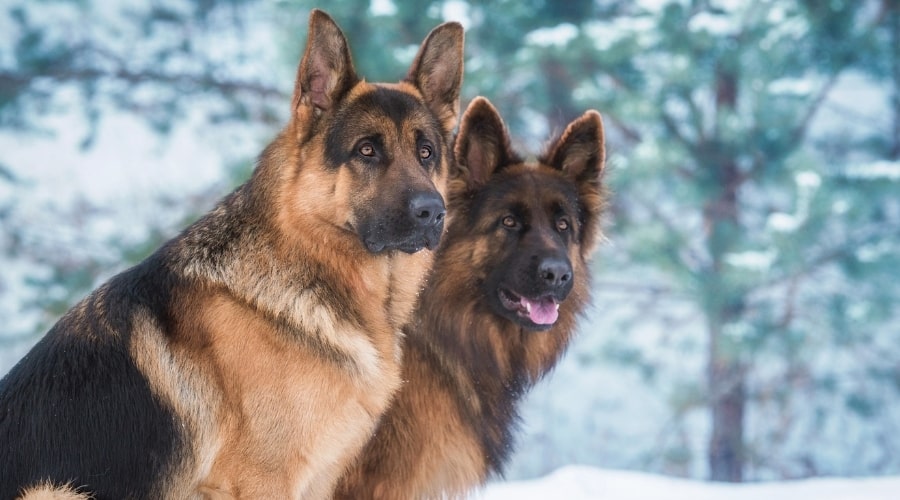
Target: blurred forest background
{"points": [[745, 322]]}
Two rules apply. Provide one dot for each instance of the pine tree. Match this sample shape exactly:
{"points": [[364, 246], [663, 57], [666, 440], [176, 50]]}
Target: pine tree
{"points": [[748, 201], [744, 206]]}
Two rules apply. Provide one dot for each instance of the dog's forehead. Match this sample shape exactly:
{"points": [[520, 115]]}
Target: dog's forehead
{"points": [[527, 191], [392, 115], [537, 187], [383, 105]]}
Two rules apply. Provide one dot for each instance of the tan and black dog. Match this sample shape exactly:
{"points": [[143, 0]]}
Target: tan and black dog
{"points": [[252, 355], [509, 280]]}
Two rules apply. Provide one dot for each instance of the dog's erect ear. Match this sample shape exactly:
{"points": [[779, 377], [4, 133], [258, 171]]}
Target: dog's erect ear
{"points": [[580, 152], [482, 145], [437, 71], [326, 71]]}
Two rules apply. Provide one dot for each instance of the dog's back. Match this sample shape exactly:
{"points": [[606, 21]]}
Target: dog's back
{"points": [[78, 401]]}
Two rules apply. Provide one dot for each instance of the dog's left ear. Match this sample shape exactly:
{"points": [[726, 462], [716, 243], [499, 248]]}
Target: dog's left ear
{"points": [[580, 153], [437, 72]]}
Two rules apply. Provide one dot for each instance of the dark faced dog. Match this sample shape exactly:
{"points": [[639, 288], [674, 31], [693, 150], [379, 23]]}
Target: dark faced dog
{"points": [[252, 355], [509, 280]]}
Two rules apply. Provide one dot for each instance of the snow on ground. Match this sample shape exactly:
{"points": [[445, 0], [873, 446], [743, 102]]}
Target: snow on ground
{"points": [[582, 483]]}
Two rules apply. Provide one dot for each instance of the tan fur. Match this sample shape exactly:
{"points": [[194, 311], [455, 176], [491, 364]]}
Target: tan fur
{"points": [[274, 336], [288, 419], [465, 366], [282, 419], [452, 442], [273, 380], [51, 492]]}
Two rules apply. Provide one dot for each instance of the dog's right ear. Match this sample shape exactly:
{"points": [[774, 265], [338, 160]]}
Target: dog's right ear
{"points": [[326, 71], [482, 144]]}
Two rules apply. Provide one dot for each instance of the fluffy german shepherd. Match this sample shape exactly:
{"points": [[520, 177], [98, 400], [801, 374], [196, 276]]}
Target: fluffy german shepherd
{"points": [[252, 355], [500, 307]]}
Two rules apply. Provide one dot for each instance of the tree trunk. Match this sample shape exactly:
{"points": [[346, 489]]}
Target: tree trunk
{"points": [[559, 92], [724, 303], [727, 397], [725, 370], [894, 13]]}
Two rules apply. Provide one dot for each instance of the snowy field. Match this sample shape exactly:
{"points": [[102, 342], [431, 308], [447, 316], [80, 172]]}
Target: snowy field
{"points": [[583, 483]]}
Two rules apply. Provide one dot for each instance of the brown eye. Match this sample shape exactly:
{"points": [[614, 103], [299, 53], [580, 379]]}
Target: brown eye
{"points": [[562, 224], [509, 221], [367, 149], [425, 152]]}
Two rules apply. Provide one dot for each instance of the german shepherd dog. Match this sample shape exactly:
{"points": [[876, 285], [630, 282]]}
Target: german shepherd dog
{"points": [[500, 307], [252, 355]]}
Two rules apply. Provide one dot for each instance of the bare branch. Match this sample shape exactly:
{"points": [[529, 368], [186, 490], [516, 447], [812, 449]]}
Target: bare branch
{"points": [[800, 130], [847, 247]]}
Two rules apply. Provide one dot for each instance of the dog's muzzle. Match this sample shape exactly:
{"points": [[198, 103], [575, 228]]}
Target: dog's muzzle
{"points": [[417, 225]]}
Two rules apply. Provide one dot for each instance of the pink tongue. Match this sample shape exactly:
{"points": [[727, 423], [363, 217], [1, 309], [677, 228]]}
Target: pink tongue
{"points": [[543, 311]]}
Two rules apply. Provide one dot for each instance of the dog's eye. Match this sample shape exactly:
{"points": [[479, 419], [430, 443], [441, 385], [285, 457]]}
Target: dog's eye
{"points": [[367, 149], [425, 152], [510, 221], [562, 224]]}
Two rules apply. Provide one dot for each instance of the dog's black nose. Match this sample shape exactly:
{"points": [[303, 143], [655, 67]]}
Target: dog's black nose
{"points": [[427, 208], [555, 271]]}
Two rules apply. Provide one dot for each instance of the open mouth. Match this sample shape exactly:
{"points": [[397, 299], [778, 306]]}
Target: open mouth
{"points": [[540, 311]]}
